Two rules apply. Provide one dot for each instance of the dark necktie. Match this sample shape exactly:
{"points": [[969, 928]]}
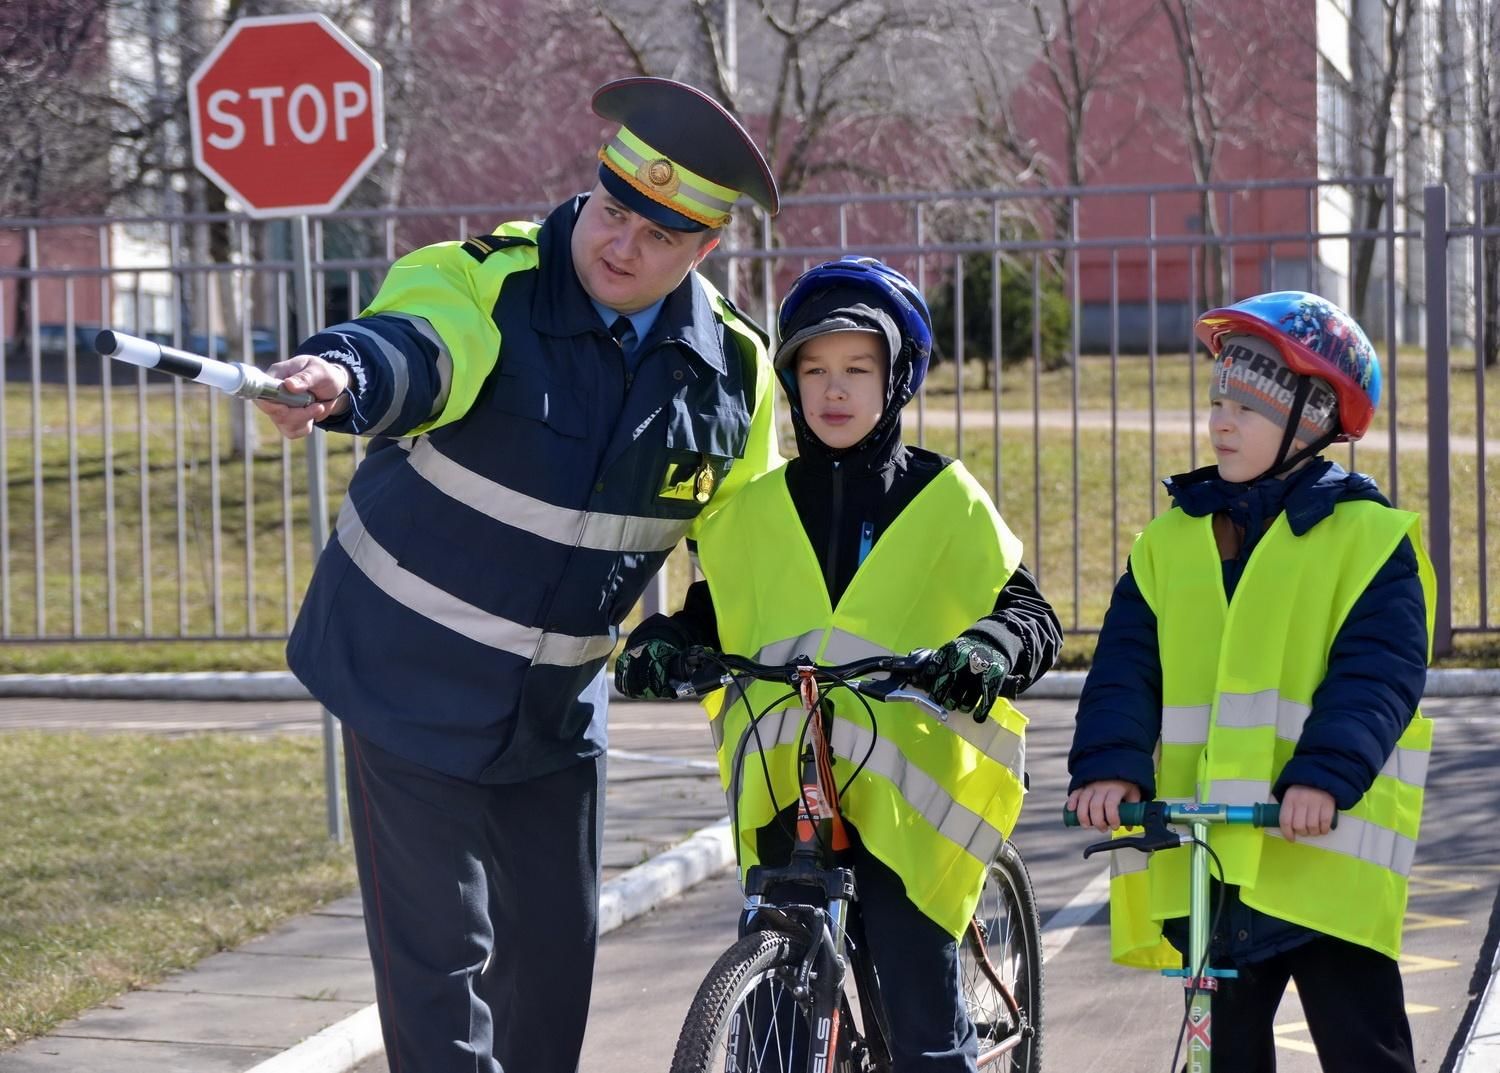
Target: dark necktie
{"points": [[624, 333]]}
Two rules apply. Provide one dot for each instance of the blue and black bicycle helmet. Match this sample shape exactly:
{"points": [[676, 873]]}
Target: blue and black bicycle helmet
{"points": [[866, 280]]}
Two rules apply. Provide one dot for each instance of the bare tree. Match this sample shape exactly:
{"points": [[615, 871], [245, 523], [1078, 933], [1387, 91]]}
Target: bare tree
{"points": [[1230, 60], [1486, 104], [1377, 61], [1086, 55]]}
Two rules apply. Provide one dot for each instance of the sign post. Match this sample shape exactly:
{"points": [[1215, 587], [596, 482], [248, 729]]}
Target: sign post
{"points": [[287, 117]]}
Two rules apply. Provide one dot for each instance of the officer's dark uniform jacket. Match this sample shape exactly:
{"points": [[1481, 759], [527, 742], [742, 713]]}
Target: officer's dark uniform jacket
{"points": [[470, 595]]}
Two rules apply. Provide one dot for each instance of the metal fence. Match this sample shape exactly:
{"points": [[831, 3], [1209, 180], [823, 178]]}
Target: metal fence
{"points": [[134, 506]]}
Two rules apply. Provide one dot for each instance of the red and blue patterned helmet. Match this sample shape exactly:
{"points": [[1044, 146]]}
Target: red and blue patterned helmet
{"points": [[890, 289], [1315, 338]]}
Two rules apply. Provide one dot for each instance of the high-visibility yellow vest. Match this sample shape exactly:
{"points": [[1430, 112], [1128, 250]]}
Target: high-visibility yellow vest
{"points": [[1237, 686], [934, 799]]}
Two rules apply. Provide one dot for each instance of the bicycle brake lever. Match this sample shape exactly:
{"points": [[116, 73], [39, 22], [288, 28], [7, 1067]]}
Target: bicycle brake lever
{"points": [[1156, 834], [1146, 843]]}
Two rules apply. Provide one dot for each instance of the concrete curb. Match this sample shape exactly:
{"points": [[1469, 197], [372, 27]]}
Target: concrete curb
{"points": [[342, 1046], [280, 685]]}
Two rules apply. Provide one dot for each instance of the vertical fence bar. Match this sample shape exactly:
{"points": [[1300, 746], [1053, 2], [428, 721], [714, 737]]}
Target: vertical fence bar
{"points": [[1393, 470], [1076, 345], [179, 482], [247, 419], [921, 231], [1192, 354], [5, 601], [143, 490], [1114, 412], [1151, 340], [107, 433], [75, 515], [958, 355], [1481, 466], [38, 532], [1439, 505], [1036, 421], [288, 558], [215, 489], [997, 347]]}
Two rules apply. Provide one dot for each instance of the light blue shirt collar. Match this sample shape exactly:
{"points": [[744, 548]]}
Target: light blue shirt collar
{"points": [[641, 320]]}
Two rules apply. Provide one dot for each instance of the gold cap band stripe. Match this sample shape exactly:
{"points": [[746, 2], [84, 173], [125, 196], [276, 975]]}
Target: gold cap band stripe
{"points": [[710, 193], [678, 203]]}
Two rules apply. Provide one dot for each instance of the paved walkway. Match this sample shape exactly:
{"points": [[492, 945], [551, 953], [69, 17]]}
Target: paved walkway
{"points": [[256, 1004]]}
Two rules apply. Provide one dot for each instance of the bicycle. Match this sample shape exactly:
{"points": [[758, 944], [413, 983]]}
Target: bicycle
{"points": [[1199, 978], [778, 1001]]}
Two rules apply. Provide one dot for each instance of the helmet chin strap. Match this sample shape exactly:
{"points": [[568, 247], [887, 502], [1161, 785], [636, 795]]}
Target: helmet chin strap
{"points": [[1294, 418]]}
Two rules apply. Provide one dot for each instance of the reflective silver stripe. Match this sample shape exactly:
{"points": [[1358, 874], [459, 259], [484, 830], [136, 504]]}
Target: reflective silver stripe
{"points": [[1408, 766], [447, 610], [1364, 841], [1185, 724], [570, 528], [784, 651], [846, 647], [1124, 862], [1268, 707], [1240, 791], [444, 358], [955, 822], [400, 374], [1244, 711]]}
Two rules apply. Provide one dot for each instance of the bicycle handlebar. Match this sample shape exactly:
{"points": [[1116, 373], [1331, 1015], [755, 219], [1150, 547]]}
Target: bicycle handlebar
{"points": [[901, 670], [1133, 814]]}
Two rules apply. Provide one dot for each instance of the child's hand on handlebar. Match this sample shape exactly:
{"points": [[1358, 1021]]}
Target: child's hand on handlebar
{"points": [[1098, 803], [1306, 811], [650, 670]]}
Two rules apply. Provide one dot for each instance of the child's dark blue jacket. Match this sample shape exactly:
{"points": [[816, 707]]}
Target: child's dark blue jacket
{"points": [[1377, 667]]}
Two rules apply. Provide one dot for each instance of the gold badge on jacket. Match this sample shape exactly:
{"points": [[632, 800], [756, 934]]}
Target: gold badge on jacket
{"points": [[689, 480]]}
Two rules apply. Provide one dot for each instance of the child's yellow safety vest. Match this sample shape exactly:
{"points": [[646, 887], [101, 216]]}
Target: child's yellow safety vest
{"points": [[1237, 685], [934, 800]]}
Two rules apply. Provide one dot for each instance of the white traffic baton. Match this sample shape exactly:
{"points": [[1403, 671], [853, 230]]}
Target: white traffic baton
{"points": [[233, 377]]}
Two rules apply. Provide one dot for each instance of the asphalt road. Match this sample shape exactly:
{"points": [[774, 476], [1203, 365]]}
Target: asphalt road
{"points": [[1100, 1017]]}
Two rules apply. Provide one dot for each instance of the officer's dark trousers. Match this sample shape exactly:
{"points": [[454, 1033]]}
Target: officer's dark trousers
{"points": [[917, 962], [1352, 997], [481, 909]]}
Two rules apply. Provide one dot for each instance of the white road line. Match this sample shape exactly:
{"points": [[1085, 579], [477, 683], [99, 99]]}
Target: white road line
{"points": [[1085, 906], [671, 761]]}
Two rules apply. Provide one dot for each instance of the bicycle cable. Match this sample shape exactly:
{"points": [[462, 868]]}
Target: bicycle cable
{"points": [[1213, 927]]}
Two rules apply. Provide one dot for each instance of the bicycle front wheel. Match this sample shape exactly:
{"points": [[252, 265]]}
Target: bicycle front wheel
{"points": [[745, 1017], [1000, 961]]}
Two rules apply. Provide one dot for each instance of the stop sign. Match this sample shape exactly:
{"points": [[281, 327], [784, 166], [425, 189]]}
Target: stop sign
{"points": [[286, 114]]}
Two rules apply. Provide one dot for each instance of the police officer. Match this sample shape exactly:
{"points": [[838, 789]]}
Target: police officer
{"points": [[552, 408]]}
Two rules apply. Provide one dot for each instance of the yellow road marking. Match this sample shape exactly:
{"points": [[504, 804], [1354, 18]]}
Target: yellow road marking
{"points": [[1420, 921], [1411, 964]]}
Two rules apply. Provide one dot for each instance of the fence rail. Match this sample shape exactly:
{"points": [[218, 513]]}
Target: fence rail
{"points": [[137, 507]]}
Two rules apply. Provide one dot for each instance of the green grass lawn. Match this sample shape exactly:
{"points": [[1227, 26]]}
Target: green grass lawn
{"points": [[128, 856]]}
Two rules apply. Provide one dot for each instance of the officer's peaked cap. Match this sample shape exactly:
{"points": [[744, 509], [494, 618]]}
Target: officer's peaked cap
{"points": [[678, 158]]}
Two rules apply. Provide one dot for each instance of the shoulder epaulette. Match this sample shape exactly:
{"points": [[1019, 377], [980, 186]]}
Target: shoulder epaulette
{"points": [[481, 246]]}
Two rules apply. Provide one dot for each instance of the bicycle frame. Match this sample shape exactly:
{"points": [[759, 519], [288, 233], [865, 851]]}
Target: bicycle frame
{"points": [[827, 918], [1156, 817]]}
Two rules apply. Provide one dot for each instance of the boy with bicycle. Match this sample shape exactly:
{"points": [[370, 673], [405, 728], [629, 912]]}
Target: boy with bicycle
{"points": [[1269, 641], [863, 546]]}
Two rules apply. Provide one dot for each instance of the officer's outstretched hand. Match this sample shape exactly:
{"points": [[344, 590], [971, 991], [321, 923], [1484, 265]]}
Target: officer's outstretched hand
{"points": [[325, 381], [965, 674], [646, 671]]}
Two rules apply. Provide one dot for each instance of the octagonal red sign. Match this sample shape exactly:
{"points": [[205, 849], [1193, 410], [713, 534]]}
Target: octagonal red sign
{"points": [[286, 114]]}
